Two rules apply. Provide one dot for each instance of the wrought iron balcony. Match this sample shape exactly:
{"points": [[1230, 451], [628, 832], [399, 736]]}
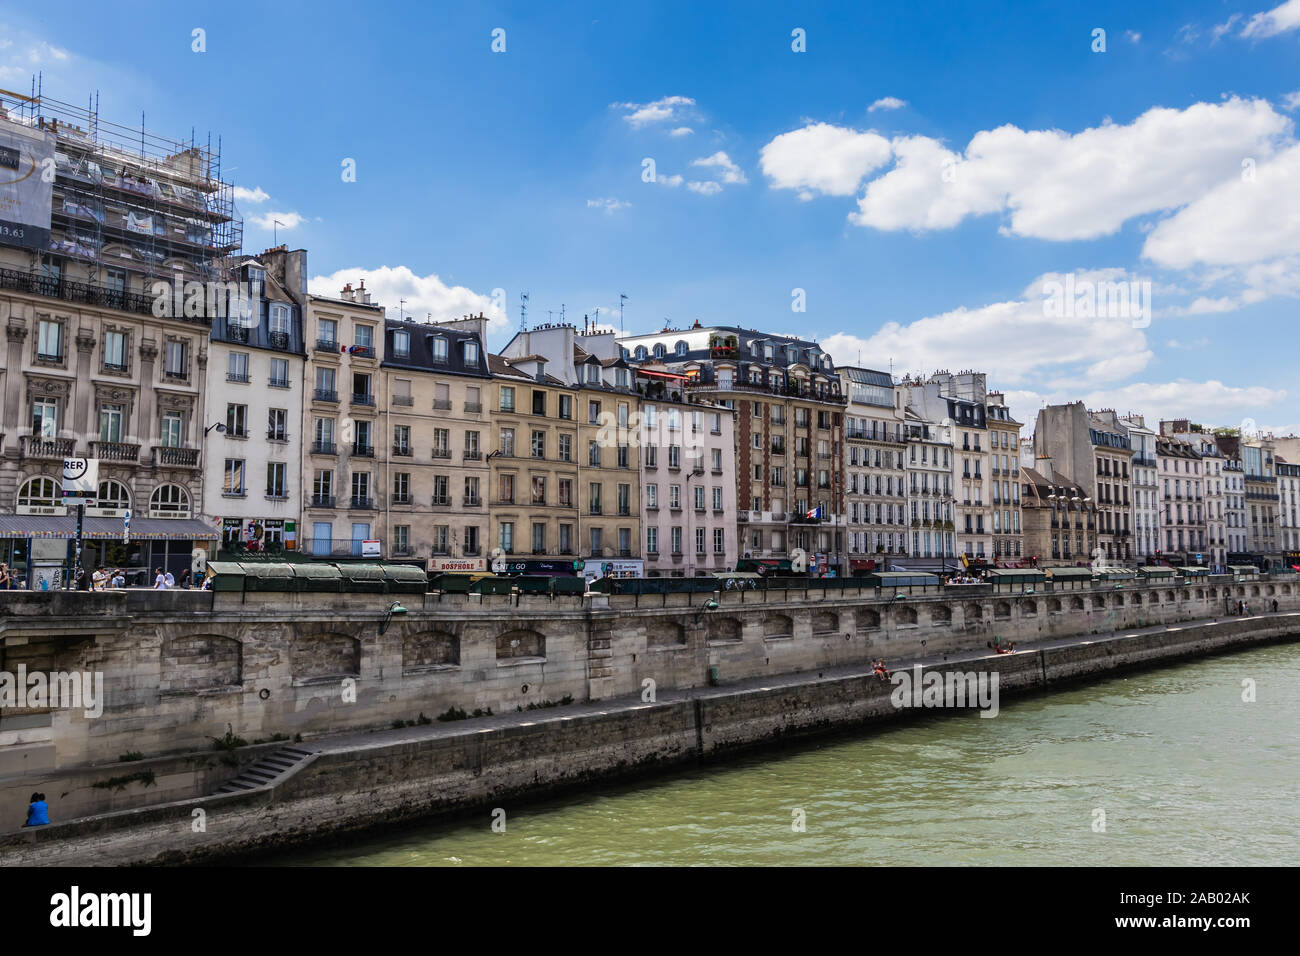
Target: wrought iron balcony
{"points": [[170, 456], [114, 451], [34, 446]]}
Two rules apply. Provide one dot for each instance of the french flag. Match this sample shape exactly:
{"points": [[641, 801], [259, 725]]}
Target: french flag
{"points": [[815, 513]]}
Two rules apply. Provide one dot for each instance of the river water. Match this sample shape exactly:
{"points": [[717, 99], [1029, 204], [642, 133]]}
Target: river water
{"points": [[1186, 772]]}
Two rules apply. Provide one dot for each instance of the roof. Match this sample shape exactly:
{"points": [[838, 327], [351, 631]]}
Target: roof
{"points": [[867, 376], [419, 355]]}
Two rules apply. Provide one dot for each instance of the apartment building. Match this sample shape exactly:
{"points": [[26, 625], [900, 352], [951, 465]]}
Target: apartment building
{"points": [[928, 466], [340, 425], [605, 410], [1234, 498], [688, 516], [1146, 488], [960, 400], [252, 475], [1093, 449], [1261, 498], [1182, 502], [1213, 462], [1060, 517], [433, 432], [1288, 509], [876, 493], [98, 363], [1004, 479], [789, 407]]}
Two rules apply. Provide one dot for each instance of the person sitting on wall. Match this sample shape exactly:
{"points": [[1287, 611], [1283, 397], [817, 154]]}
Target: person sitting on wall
{"points": [[5, 577], [38, 813]]}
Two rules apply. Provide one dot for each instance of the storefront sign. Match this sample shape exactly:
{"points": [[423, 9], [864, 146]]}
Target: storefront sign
{"points": [[370, 549], [81, 479], [457, 564]]}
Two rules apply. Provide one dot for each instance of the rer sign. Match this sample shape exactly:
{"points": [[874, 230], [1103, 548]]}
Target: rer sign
{"points": [[81, 479]]}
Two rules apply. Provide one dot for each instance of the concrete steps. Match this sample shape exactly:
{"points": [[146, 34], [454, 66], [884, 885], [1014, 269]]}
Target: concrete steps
{"points": [[266, 772]]}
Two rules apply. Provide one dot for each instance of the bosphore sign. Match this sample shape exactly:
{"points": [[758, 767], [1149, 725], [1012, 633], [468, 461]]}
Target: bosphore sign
{"points": [[26, 185]]}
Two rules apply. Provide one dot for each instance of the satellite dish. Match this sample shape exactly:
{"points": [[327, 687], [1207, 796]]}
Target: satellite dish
{"points": [[498, 562], [799, 561]]}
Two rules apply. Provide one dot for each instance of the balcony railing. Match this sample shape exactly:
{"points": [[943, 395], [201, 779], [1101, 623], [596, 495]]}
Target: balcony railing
{"points": [[361, 503], [361, 398], [473, 406], [403, 400], [171, 456], [442, 453], [474, 455], [278, 340], [441, 501], [363, 451], [114, 451], [324, 448], [401, 450], [362, 351], [471, 501], [34, 283], [273, 434], [325, 395], [36, 447], [442, 404], [236, 376], [327, 345], [278, 382], [321, 501]]}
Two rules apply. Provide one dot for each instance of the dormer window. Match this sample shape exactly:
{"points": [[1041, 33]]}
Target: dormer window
{"points": [[471, 353], [256, 278], [767, 353], [681, 348], [401, 344], [439, 348], [660, 351], [279, 318], [640, 353], [620, 376], [593, 374]]}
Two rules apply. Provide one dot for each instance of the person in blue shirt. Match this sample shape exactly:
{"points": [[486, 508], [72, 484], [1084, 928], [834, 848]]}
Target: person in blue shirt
{"points": [[38, 814]]}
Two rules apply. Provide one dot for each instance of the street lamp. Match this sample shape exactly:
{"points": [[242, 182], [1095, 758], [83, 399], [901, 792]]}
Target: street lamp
{"points": [[710, 605], [219, 426], [394, 608], [898, 596]]}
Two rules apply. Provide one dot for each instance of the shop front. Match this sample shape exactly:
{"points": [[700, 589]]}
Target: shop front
{"points": [[38, 549]]}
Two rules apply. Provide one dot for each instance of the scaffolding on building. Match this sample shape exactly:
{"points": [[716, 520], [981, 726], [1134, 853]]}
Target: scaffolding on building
{"points": [[126, 200]]}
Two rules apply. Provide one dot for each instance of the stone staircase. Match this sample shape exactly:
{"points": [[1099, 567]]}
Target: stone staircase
{"points": [[267, 771]]}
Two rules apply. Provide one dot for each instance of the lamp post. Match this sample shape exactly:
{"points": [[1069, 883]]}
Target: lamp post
{"points": [[394, 608], [219, 426]]}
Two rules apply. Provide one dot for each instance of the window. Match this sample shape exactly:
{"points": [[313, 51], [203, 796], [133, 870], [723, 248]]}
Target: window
{"points": [[593, 374], [699, 497], [506, 537], [325, 380], [50, 341], [719, 541], [593, 454], [175, 364], [327, 333], [115, 351], [651, 456], [566, 492], [277, 428], [278, 320], [361, 487], [110, 422], [674, 456], [237, 421], [237, 369], [539, 490], [566, 539], [507, 443], [539, 402], [625, 499], [566, 407], [401, 344], [172, 424], [275, 486], [593, 413], [538, 444], [717, 499], [677, 540], [597, 547], [401, 439], [652, 496], [45, 418], [279, 373], [471, 491], [594, 490], [40, 493], [169, 501], [401, 539], [507, 489], [363, 336], [322, 485], [233, 482], [700, 541], [717, 459], [566, 448], [675, 497], [471, 353], [401, 488], [507, 398], [652, 540]]}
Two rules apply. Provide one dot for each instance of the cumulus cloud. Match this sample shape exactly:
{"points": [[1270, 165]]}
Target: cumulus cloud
{"points": [[706, 188], [283, 221], [1056, 185], [425, 295], [662, 110], [1280, 19], [608, 205], [255, 195], [887, 103], [1291, 100], [730, 172], [821, 158], [1092, 349], [1249, 219], [681, 131]]}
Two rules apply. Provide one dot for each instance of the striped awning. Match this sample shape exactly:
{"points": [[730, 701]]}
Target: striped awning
{"points": [[142, 529]]}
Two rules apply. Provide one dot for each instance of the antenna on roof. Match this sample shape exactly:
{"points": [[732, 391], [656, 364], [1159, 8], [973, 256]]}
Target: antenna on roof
{"points": [[401, 310], [621, 299], [561, 313], [523, 311]]}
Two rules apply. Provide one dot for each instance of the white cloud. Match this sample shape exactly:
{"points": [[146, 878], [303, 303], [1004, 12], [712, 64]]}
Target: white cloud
{"points": [[707, 188], [1062, 186], [1189, 345], [661, 110], [887, 103], [672, 181], [424, 295], [823, 158], [681, 131], [1087, 349], [1291, 100], [1132, 36], [281, 221], [609, 205], [1239, 222], [255, 195], [1223, 28], [731, 173], [1280, 19]]}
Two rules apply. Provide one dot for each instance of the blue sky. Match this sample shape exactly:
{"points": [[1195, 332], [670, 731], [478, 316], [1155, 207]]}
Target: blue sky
{"points": [[919, 174]]}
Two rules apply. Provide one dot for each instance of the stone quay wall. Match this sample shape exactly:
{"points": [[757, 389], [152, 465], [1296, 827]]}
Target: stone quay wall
{"points": [[478, 765], [183, 667]]}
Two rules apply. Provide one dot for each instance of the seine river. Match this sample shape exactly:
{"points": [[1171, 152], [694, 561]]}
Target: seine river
{"points": [[1186, 772]]}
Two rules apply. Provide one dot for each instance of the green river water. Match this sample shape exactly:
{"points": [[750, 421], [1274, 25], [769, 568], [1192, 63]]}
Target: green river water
{"points": [[1186, 772]]}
